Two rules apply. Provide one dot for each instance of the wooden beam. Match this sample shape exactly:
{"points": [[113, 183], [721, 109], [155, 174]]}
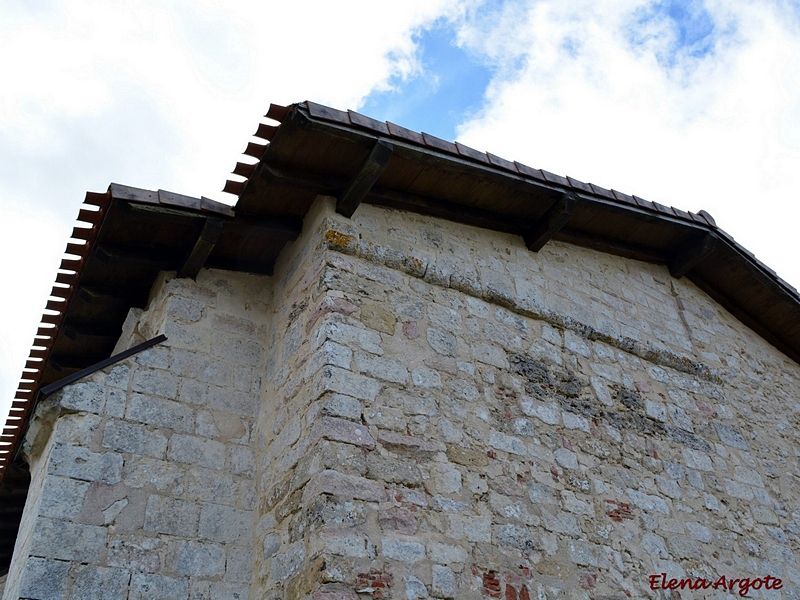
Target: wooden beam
{"points": [[359, 186], [208, 237], [82, 329], [692, 255], [550, 223], [150, 256]]}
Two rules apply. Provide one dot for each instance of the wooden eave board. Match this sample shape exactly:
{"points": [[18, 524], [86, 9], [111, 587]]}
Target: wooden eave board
{"points": [[656, 238], [740, 284]]}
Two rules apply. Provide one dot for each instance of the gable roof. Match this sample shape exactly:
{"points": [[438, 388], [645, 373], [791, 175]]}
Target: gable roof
{"points": [[133, 234]]}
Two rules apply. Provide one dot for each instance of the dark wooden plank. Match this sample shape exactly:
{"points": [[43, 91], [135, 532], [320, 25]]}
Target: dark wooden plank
{"points": [[445, 210], [550, 223], [692, 254], [202, 248], [366, 176]]}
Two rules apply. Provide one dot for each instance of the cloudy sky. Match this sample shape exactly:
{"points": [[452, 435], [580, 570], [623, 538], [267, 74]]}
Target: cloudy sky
{"points": [[690, 103]]}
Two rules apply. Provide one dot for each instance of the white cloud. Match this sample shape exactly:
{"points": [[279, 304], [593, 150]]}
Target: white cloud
{"points": [[719, 131], [159, 95]]}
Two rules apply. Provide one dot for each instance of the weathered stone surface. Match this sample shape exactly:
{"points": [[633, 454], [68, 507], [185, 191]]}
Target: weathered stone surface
{"points": [[342, 430], [100, 583], [44, 578], [145, 586], [169, 515], [64, 540], [136, 439], [196, 559], [81, 463], [347, 486]]}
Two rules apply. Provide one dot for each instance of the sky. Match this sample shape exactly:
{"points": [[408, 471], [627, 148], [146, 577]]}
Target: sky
{"points": [[694, 104]]}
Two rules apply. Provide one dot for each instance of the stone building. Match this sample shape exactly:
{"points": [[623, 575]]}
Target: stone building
{"points": [[401, 368]]}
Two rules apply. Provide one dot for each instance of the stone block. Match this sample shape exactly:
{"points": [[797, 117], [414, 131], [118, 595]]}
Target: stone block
{"points": [[170, 515], [80, 463], [341, 543], [414, 588], [444, 318], [241, 352], [340, 405], [44, 579], [447, 554], [62, 497], [85, 396], [404, 550], [288, 563], [196, 559], [160, 412], [407, 443], [490, 354], [100, 583], [147, 586], [347, 486], [155, 382], [444, 582], [77, 429], [442, 342], [382, 368], [219, 523], [334, 379], [378, 318], [342, 430], [65, 540], [473, 529], [135, 553], [197, 451], [507, 443], [228, 400], [135, 439], [239, 564]]}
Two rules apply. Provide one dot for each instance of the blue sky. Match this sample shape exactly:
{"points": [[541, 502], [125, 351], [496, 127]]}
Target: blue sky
{"points": [[449, 85], [688, 103]]}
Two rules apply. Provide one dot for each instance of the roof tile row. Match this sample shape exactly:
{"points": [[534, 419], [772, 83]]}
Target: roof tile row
{"points": [[354, 119]]}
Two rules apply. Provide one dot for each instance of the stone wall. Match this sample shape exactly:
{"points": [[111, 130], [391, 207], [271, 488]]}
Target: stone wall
{"points": [[143, 474], [453, 416], [412, 408]]}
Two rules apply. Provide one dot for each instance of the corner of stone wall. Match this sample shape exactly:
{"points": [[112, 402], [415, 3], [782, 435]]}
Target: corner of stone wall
{"points": [[143, 473]]}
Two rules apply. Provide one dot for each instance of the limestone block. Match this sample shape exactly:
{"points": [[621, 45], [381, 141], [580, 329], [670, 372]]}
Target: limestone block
{"points": [[407, 550], [44, 578], [86, 396], [442, 342], [338, 380], [227, 400], [136, 439], [447, 554], [288, 563], [340, 405], [342, 430], [62, 497], [239, 564], [347, 486], [146, 586], [473, 529], [196, 559], [100, 583], [80, 463], [155, 383], [65, 540], [444, 582], [160, 412], [197, 451], [220, 523], [378, 318], [170, 515]]}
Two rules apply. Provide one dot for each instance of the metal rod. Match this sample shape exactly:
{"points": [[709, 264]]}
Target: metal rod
{"points": [[54, 387]]}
